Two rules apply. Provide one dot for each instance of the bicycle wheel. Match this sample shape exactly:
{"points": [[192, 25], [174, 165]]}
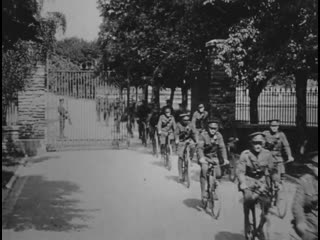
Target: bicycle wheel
{"points": [[187, 168], [215, 199], [169, 154], [250, 226], [156, 140], [281, 202]]}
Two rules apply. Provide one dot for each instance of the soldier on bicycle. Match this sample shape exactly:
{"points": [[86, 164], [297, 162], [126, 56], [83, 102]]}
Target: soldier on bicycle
{"points": [[143, 112], [277, 143], [185, 133], [199, 119], [254, 165], [211, 149], [305, 202], [153, 120], [166, 128]]}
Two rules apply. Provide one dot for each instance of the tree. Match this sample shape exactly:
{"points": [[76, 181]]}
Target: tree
{"points": [[276, 39], [32, 39], [77, 50], [161, 39]]}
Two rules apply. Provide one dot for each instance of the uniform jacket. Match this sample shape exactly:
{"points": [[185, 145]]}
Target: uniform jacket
{"points": [[63, 113], [277, 143], [251, 166], [166, 124], [199, 120], [185, 132], [305, 202], [212, 147]]}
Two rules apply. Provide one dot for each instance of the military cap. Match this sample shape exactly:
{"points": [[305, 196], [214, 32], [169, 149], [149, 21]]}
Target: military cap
{"points": [[312, 158], [274, 120], [61, 99], [201, 105], [256, 135], [213, 123], [184, 115]]}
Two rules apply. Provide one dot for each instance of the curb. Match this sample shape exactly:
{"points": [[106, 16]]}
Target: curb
{"points": [[16, 175]]}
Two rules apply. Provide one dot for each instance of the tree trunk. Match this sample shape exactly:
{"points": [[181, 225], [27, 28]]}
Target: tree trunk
{"points": [[254, 93], [4, 114], [156, 95], [254, 114], [146, 93], [137, 89], [184, 92], [173, 89], [301, 117]]}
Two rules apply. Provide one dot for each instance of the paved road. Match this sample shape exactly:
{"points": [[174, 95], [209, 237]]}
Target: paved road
{"points": [[117, 195]]}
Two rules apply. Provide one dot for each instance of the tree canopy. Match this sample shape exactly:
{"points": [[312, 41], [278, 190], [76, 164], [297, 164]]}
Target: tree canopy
{"points": [[33, 37]]}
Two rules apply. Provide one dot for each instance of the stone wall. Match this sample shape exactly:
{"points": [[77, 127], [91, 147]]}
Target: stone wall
{"points": [[32, 105]]}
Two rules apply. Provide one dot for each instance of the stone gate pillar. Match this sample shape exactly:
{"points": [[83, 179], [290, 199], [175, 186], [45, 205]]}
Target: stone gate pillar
{"points": [[32, 109], [222, 91]]}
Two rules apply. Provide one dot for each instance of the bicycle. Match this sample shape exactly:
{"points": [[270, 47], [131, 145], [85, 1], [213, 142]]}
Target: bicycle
{"points": [[155, 141], [264, 190], [214, 196], [230, 169], [278, 196], [168, 153], [144, 133], [250, 226], [186, 163]]}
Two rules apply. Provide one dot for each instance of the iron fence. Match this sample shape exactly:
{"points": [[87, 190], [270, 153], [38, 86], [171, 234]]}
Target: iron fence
{"points": [[278, 103]]}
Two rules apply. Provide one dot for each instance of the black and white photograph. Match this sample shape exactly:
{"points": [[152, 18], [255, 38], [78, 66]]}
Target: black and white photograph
{"points": [[160, 120]]}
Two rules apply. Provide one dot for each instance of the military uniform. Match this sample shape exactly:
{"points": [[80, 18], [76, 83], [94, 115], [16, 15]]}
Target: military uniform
{"points": [[213, 149], [278, 144], [184, 133], [105, 109], [252, 169], [63, 116], [199, 121], [305, 206], [166, 125], [99, 105]]}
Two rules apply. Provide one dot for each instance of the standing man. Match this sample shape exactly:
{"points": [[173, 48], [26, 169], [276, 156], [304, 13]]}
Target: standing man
{"points": [[98, 107], [278, 145], [63, 116], [105, 109], [211, 149], [143, 112], [254, 165], [305, 202]]}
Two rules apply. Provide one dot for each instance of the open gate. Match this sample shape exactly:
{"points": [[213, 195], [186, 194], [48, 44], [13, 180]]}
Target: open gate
{"points": [[84, 111]]}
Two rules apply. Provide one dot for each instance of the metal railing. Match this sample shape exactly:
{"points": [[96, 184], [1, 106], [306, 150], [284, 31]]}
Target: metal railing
{"points": [[278, 103]]}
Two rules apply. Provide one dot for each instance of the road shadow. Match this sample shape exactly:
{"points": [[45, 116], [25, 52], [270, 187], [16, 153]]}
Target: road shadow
{"points": [[42, 159], [158, 163], [173, 178], [47, 206], [6, 175], [228, 236], [193, 203]]}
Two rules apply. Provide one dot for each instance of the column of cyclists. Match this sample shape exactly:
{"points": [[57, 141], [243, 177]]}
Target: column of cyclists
{"points": [[259, 171]]}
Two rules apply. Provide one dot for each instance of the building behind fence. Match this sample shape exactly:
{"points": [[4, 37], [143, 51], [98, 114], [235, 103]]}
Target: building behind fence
{"points": [[278, 103]]}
